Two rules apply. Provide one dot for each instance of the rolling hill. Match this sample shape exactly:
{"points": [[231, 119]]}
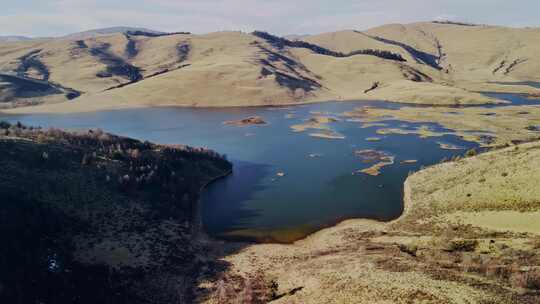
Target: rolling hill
{"points": [[428, 63], [109, 31], [14, 38], [97, 229]]}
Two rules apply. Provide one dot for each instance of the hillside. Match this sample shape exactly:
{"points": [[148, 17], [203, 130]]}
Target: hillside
{"points": [[470, 51], [14, 38], [469, 234], [91, 217], [428, 63]]}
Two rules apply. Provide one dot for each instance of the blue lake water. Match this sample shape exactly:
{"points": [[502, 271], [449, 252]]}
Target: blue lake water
{"points": [[514, 99], [320, 185]]}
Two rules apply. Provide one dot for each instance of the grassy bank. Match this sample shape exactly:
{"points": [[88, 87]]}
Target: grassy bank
{"points": [[440, 251]]}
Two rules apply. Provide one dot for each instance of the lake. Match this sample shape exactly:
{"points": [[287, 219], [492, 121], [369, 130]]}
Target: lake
{"points": [[285, 184]]}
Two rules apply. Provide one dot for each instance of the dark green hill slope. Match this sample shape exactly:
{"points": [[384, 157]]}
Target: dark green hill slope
{"points": [[91, 217]]}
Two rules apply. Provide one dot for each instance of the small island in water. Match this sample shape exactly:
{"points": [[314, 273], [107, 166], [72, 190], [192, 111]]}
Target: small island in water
{"points": [[254, 120]]}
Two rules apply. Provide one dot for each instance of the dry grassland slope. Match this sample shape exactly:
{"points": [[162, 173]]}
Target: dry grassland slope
{"points": [[438, 64]]}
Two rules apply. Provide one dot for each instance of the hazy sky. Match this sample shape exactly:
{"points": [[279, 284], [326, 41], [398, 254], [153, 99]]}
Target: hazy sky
{"points": [[59, 17]]}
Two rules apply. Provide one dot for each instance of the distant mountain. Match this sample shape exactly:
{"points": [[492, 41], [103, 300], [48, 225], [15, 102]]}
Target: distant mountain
{"points": [[108, 31], [14, 38], [87, 34]]}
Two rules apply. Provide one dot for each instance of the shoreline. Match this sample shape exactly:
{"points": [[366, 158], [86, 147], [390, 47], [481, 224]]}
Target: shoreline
{"points": [[422, 252], [199, 230], [406, 205], [45, 108], [268, 240], [94, 108], [405, 202]]}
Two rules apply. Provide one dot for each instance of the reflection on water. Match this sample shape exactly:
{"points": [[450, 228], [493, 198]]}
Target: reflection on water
{"points": [[285, 184]]}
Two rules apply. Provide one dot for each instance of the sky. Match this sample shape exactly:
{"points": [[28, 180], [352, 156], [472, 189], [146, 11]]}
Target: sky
{"points": [[45, 18]]}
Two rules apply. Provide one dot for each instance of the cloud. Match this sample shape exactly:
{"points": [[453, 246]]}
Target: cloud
{"points": [[43, 24], [58, 17]]}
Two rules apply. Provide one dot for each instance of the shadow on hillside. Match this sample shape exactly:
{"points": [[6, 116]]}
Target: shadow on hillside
{"points": [[94, 218], [56, 213]]}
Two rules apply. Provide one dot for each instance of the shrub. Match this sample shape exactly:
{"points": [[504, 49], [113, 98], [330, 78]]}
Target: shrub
{"points": [[461, 245], [409, 248], [4, 125], [117, 155], [526, 279], [274, 288], [135, 153], [471, 153]]}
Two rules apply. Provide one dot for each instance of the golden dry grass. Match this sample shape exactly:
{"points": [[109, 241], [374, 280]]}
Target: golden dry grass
{"points": [[225, 68], [505, 180]]}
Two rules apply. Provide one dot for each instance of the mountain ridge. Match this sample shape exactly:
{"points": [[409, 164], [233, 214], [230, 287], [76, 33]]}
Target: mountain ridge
{"points": [[83, 34], [439, 63], [14, 38]]}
